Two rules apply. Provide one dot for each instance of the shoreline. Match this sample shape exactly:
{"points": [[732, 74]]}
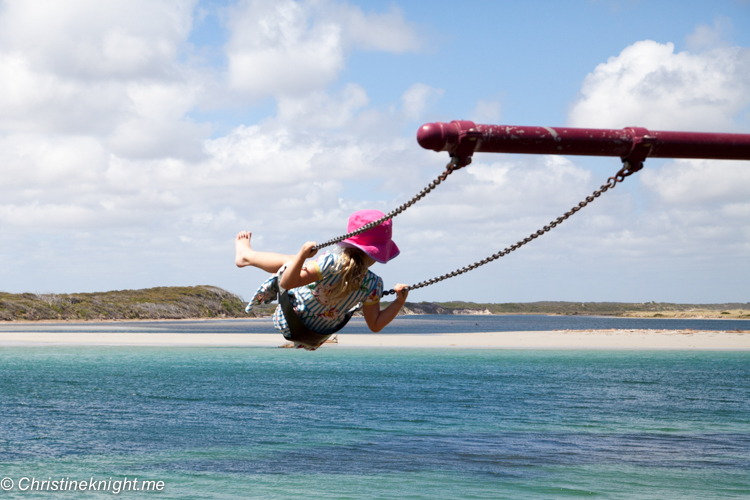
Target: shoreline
{"points": [[461, 315], [556, 339]]}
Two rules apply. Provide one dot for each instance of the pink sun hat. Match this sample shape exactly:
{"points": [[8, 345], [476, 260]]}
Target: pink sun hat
{"points": [[375, 242]]}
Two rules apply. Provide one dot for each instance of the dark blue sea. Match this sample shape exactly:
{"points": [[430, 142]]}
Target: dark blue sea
{"points": [[382, 423]]}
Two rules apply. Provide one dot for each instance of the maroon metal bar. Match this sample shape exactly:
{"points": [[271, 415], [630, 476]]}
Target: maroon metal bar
{"points": [[464, 138]]}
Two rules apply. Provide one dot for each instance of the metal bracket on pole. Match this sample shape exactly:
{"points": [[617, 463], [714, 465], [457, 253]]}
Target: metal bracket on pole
{"points": [[459, 138], [642, 144], [466, 144]]}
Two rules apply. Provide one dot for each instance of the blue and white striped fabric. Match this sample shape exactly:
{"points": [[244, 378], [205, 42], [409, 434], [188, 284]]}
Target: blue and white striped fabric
{"points": [[312, 302]]}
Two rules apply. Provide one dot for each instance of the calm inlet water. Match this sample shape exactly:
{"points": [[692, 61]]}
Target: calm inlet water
{"points": [[402, 324], [377, 423]]}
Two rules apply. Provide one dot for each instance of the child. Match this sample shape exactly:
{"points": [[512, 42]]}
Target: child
{"points": [[323, 291]]}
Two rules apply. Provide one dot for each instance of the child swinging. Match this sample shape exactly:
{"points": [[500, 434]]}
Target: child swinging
{"points": [[324, 290]]}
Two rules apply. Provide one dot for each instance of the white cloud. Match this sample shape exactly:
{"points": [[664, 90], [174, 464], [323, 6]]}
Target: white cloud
{"points": [[709, 37], [99, 150], [486, 111], [274, 51], [256, 156], [417, 98], [697, 208], [649, 85], [694, 209], [155, 125], [321, 139], [322, 110], [289, 48], [699, 182], [34, 100], [291, 166], [45, 215], [106, 70], [490, 205], [92, 39], [388, 32], [32, 163]]}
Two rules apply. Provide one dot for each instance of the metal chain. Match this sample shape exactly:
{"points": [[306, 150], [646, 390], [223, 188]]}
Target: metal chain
{"points": [[452, 165], [627, 169]]}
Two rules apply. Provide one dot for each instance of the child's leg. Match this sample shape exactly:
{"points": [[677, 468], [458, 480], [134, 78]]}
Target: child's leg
{"points": [[246, 256]]}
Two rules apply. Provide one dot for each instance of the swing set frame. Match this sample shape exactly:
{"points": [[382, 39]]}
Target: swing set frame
{"points": [[462, 138]]}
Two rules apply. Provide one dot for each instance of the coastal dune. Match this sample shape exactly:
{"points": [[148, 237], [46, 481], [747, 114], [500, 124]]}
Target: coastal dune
{"points": [[561, 339]]}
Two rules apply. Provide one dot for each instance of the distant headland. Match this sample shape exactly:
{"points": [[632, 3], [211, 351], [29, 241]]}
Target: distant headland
{"points": [[209, 302]]}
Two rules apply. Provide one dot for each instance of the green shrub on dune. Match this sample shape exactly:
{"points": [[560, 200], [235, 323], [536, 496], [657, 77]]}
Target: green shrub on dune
{"points": [[151, 303]]}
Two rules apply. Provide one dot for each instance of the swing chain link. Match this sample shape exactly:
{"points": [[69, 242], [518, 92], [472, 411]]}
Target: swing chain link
{"points": [[452, 165], [627, 169]]}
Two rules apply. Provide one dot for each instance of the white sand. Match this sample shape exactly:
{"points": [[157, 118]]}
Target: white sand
{"points": [[569, 339]]}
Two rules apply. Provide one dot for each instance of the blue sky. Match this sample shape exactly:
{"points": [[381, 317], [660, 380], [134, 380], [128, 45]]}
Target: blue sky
{"points": [[137, 138]]}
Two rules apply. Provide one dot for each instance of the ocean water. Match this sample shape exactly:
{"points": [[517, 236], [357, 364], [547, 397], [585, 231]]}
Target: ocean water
{"points": [[402, 324], [350, 423]]}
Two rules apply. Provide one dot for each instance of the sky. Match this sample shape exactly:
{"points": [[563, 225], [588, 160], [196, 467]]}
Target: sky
{"points": [[138, 137]]}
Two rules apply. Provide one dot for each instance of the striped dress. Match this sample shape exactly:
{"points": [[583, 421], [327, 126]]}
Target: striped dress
{"points": [[312, 303]]}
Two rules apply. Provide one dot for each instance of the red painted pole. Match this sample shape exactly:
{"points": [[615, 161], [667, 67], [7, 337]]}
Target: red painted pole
{"points": [[634, 144]]}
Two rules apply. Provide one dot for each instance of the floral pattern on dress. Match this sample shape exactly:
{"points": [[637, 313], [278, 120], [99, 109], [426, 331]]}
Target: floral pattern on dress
{"points": [[321, 293], [330, 313], [267, 292]]}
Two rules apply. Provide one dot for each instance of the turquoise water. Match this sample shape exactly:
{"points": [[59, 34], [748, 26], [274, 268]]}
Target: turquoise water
{"points": [[378, 423]]}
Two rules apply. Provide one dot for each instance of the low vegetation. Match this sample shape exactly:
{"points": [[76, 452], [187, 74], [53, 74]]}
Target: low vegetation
{"points": [[152, 303], [622, 309], [203, 302]]}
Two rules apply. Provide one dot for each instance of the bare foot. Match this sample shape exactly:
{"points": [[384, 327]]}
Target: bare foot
{"points": [[243, 250], [245, 256]]}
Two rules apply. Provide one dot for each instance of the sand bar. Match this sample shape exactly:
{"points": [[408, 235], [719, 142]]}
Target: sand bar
{"points": [[566, 339]]}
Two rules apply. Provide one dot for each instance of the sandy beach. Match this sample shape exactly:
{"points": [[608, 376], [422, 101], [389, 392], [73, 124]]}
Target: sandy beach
{"points": [[565, 339]]}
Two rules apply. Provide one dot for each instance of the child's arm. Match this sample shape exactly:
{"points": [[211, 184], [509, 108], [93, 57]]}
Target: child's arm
{"points": [[377, 319], [295, 275]]}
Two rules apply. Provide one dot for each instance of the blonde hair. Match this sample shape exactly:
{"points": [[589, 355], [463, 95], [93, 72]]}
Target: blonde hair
{"points": [[352, 267]]}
